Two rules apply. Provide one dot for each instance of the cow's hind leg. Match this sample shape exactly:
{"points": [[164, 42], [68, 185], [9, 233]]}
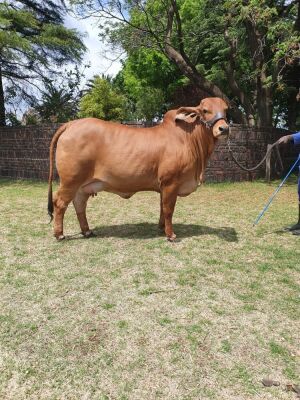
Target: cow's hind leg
{"points": [[169, 197], [80, 203], [61, 200]]}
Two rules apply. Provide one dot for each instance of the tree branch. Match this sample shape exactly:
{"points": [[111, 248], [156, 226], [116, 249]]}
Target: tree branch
{"points": [[234, 86]]}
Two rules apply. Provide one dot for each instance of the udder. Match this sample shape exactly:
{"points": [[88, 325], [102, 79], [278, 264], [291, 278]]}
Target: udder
{"points": [[94, 187], [187, 188]]}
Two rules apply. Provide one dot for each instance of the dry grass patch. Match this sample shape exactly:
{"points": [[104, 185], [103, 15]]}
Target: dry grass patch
{"points": [[127, 315]]}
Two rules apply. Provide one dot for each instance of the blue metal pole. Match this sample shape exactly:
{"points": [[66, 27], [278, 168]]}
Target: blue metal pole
{"points": [[276, 191]]}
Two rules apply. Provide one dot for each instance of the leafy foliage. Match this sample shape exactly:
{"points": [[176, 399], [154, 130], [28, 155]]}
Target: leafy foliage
{"points": [[59, 101], [102, 101], [33, 45], [247, 49], [148, 81], [150, 103]]}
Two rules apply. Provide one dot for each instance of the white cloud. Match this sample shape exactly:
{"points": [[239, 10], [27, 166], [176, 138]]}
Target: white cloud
{"points": [[97, 54]]}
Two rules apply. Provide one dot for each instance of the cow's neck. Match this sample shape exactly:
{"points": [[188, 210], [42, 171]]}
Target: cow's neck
{"points": [[202, 145]]}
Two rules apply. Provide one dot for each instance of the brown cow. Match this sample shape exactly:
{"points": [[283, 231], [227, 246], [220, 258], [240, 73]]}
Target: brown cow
{"points": [[94, 155]]}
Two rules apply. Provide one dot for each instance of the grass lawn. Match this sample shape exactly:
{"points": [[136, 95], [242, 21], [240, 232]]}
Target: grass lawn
{"points": [[128, 315]]}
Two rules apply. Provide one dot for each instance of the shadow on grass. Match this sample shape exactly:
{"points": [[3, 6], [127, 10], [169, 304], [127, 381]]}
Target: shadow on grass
{"points": [[285, 231], [148, 231]]}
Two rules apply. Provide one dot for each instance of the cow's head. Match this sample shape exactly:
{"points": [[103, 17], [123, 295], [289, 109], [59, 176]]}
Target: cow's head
{"points": [[211, 112]]}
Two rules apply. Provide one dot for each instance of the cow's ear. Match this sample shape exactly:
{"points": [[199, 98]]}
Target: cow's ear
{"points": [[186, 114]]}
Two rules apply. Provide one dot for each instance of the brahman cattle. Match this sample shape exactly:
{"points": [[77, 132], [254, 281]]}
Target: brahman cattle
{"points": [[170, 158]]}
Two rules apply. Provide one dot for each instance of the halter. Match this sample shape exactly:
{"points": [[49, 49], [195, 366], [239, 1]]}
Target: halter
{"points": [[210, 123]]}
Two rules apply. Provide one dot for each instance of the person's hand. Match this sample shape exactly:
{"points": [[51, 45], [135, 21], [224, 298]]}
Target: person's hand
{"points": [[285, 139]]}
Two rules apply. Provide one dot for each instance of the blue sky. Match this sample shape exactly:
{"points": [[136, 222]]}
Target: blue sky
{"points": [[95, 50]]}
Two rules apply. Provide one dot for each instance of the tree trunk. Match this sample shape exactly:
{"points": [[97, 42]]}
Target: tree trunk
{"points": [[264, 106], [190, 72], [230, 69], [263, 93], [294, 77], [2, 105], [293, 111], [180, 58]]}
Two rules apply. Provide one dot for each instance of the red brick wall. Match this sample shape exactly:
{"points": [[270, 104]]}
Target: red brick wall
{"points": [[24, 152], [249, 146]]}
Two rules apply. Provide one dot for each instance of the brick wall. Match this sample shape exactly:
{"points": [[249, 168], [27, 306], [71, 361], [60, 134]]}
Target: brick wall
{"points": [[24, 152], [249, 146]]}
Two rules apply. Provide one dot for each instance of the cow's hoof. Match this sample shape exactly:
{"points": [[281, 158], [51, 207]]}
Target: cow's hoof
{"points": [[88, 234], [171, 238], [60, 237]]}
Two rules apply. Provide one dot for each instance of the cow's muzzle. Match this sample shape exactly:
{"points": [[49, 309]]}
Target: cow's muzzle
{"points": [[224, 129]]}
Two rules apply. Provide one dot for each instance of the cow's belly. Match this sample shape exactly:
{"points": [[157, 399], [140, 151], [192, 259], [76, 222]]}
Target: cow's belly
{"points": [[129, 188], [187, 187], [127, 176], [123, 188]]}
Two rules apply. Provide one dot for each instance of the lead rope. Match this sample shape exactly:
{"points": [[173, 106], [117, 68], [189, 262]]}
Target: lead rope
{"points": [[242, 166], [276, 191]]}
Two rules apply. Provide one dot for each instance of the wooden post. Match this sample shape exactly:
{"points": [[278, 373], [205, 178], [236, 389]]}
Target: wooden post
{"points": [[268, 164], [279, 158]]}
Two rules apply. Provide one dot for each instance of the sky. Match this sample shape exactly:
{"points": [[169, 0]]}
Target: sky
{"points": [[95, 49], [94, 54]]}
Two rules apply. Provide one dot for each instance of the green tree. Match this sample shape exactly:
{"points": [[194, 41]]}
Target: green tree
{"points": [[244, 48], [33, 44], [147, 80], [102, 101], [150, 104], [59, 101]]}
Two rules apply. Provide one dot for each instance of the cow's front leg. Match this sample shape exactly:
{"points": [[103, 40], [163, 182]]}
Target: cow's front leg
{"points": [[169, 197], [161, 223]]}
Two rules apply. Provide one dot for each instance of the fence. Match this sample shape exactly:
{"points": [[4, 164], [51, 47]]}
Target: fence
{"points": [[24, 152]]}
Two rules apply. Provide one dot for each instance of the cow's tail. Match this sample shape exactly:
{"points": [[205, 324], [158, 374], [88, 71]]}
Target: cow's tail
{"points": [[51, 168]]}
